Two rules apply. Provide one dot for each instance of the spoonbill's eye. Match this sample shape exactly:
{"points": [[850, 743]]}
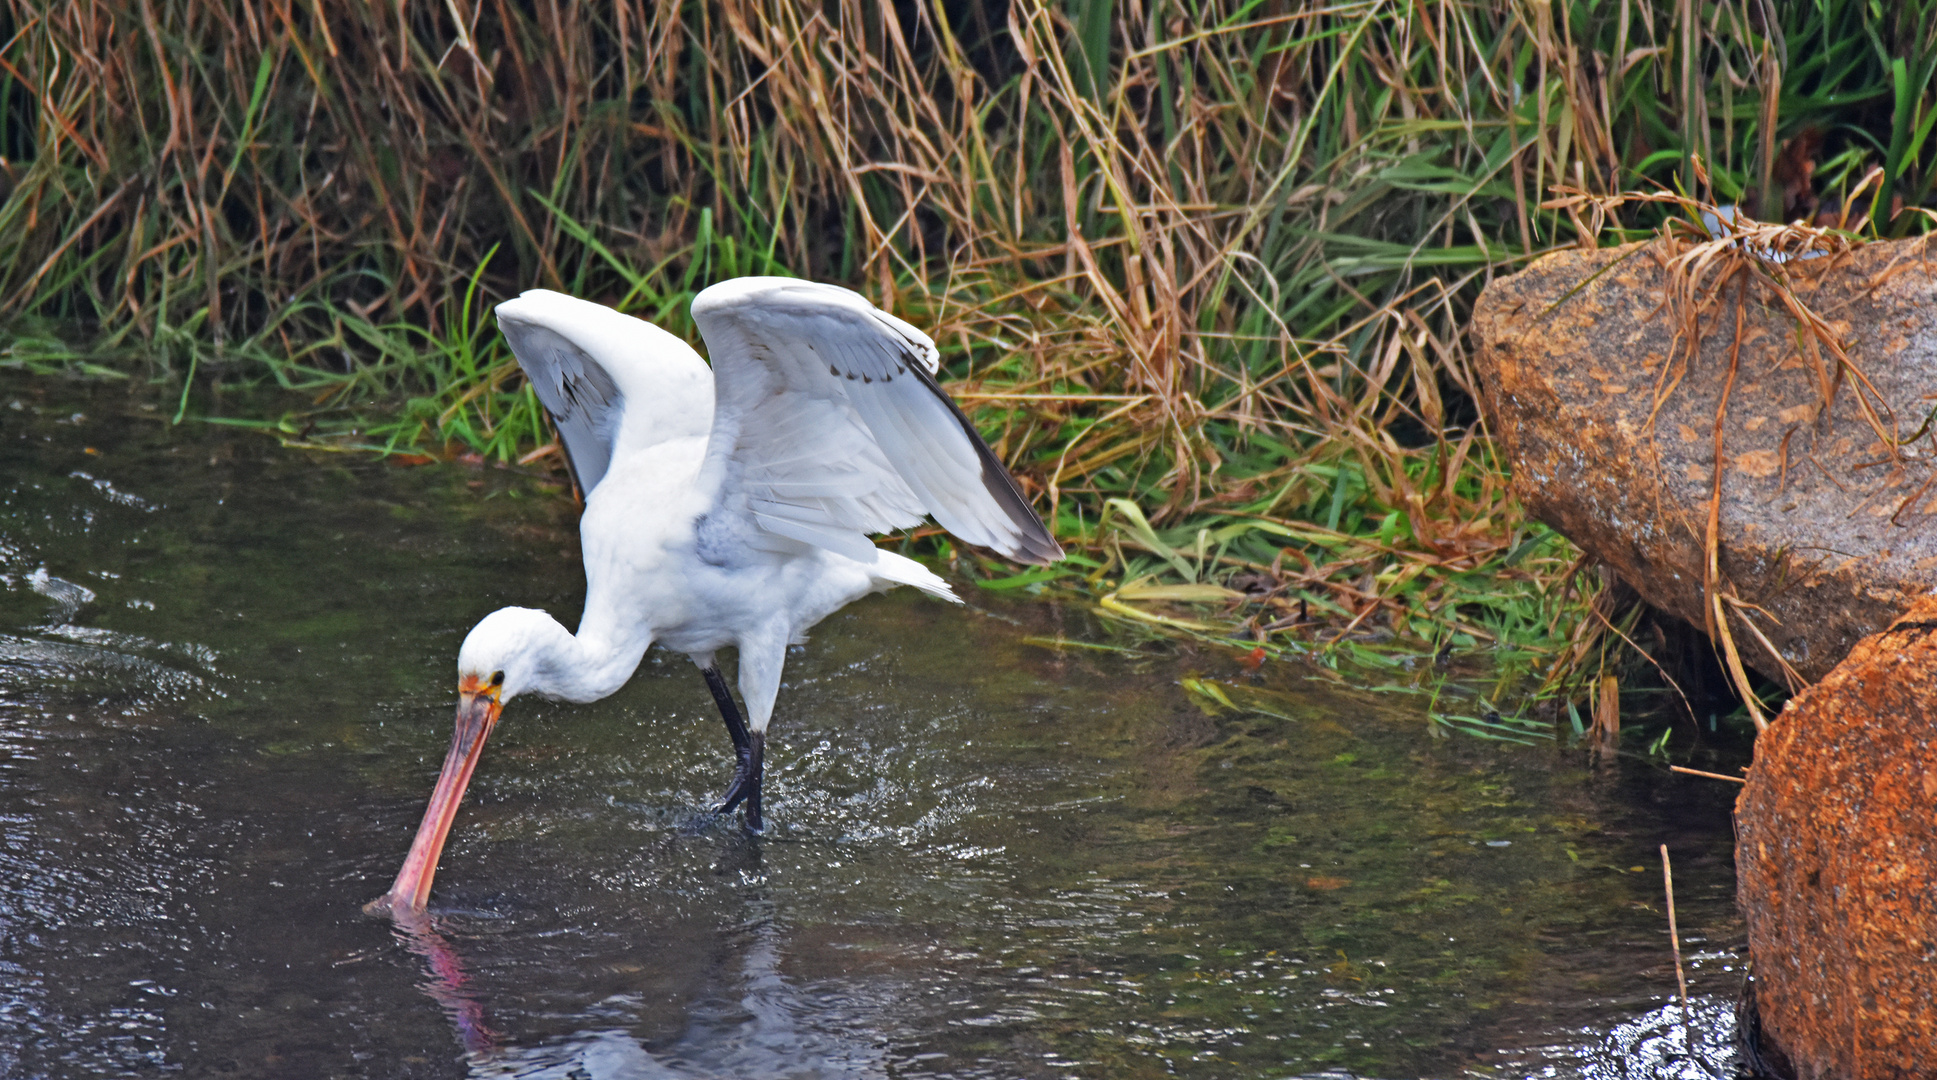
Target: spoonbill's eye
{"points": [[497, 678]]}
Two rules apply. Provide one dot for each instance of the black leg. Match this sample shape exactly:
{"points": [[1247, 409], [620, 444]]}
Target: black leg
{"points": [[749, 747], [730, 712]]}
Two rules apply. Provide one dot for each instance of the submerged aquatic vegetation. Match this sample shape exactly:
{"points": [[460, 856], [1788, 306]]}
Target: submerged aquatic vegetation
{"points": [[1200, 271]]}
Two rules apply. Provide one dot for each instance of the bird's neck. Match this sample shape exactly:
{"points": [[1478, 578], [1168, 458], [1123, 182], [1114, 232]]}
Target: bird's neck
{"points": [[587, 666]]}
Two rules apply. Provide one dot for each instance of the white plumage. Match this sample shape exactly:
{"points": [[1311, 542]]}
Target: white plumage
{"points": [[729, 507]]}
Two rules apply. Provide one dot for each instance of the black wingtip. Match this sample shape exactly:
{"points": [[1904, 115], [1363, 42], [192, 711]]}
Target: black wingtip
{"points": [[1032, 543]]}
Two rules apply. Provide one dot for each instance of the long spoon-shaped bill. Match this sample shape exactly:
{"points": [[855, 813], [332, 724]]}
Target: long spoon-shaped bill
{"points": [[477, 714]]}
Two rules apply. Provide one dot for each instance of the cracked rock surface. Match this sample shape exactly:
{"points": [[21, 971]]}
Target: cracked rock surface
{"points": [[1822, 527]]}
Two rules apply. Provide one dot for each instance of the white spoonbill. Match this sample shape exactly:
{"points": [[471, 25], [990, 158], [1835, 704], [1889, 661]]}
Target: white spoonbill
{"points": [[724, 508]]}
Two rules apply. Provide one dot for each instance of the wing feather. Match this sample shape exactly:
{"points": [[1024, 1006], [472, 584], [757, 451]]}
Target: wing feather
{"points": [[610, 382], [830, 424]]}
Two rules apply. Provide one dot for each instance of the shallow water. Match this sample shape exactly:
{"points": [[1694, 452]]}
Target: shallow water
{"points": [[225, 689]]}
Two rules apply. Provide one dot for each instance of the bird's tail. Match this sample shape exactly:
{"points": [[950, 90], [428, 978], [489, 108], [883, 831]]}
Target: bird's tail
{"points": [[890, 570]]}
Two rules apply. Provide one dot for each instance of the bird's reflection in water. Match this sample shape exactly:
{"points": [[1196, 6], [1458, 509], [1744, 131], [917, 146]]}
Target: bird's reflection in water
{"points": [[759, 1023], [447, 982]]}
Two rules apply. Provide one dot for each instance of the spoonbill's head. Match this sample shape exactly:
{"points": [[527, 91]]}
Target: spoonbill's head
{"points": [[510, 651], [501, 657]]}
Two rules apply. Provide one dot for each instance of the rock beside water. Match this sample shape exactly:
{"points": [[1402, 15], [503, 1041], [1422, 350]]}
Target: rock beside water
{"points": [[1836, 864], [1820, 526]]}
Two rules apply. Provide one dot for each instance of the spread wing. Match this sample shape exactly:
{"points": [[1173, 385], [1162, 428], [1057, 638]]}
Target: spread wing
{"points": [[830, 425], [610, 382]]}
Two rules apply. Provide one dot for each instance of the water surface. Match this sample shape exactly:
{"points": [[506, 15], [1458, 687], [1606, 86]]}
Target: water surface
{"points": [[226, 681]]}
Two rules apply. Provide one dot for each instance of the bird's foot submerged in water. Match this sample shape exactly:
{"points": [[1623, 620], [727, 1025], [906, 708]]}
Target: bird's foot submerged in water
{"points": [[745, 787]]}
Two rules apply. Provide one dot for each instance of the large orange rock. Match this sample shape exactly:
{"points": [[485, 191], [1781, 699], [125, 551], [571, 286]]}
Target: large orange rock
{"points": [[1820, 526], [1836, 864]]}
